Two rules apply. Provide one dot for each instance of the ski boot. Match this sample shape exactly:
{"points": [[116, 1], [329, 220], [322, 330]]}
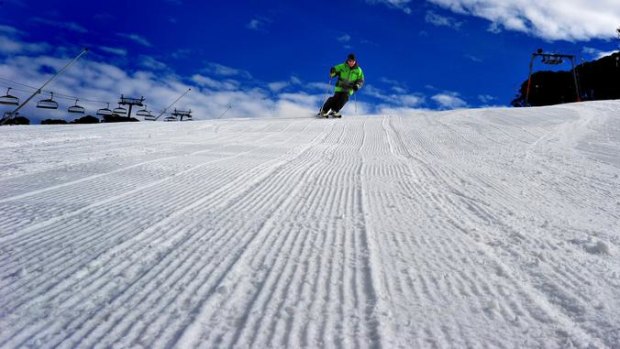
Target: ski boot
{"points": [[323, 114]]}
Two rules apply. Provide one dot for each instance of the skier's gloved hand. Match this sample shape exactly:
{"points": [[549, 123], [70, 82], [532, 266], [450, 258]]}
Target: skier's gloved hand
{"points": [[332, 72], [356, 87]]}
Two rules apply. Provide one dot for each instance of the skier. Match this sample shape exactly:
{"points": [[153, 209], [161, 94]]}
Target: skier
{"points": [[350, 79]]}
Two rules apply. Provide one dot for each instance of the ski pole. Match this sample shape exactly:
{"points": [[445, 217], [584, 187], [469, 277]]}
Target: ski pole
{"points": [[329, 85]]}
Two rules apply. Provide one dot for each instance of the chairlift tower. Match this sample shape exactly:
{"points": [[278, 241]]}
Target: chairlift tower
{"points": [[131, 102], [552, 59]]}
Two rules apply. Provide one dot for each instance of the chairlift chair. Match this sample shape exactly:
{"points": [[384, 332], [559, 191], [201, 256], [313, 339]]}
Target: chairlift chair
{"points": [[120, 110], [552, 60], [105, 111], [144, 112], [77, 109], [8, 99], [48, 103], [557, 60]]}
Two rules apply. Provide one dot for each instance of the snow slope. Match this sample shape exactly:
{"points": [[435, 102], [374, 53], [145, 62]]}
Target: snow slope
{"points": [[469, 228]]}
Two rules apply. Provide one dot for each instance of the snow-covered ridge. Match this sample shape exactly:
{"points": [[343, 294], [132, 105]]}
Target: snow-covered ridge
{"points": [[468, 228]]}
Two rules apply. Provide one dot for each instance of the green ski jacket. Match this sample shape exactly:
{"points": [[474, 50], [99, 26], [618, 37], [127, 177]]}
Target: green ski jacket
{"points": [[349, 79]]}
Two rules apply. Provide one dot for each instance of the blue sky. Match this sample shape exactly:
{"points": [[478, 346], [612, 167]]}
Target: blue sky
{"points": [[272, 57]]}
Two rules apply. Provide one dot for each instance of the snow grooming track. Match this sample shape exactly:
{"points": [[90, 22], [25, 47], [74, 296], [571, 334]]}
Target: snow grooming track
{"points": [[470, 228], [547, 298], [280, 266], [90, 269]]}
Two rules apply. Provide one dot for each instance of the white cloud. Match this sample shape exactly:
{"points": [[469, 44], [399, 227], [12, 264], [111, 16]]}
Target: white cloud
{"points": [[389, 81], [402, 5], [404, 100], [396, 86], [596, 54], [486, 99], [254, 24], [222, 70], [572, 20], [152, 63], [473, 58], [449, 100], [11, 46], [135, 38], [344, 38], [258, 24], [61, 24], [410, 100], [318, 86], [114, 50], [278, 85], [181, 53], [442, 21], [9, 30], [218, 85]]}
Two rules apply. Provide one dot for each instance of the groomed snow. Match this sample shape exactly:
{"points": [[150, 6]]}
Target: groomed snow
{"points": [[460, 229]]}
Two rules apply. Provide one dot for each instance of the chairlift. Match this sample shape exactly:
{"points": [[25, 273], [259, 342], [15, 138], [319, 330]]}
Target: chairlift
{"points": [[77, 109], [120, 110], [8, 99], [105, 111], [49, 103], [552, 60], [144, 112]]}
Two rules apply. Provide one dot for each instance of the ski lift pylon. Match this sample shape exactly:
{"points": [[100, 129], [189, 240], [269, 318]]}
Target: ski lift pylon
{"points": [[105, 111], [8, 99], [48, 103], [77, 109]]}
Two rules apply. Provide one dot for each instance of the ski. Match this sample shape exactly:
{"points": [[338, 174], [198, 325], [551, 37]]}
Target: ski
{"points": [[332, 114]]}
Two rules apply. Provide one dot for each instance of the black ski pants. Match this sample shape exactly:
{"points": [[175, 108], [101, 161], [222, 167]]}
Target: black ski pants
{"points": [[336, 102]]}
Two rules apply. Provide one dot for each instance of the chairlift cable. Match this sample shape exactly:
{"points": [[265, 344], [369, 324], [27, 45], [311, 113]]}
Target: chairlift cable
{"points": [[225, 111], [171, 104], [14, 112], [10, 83]]}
